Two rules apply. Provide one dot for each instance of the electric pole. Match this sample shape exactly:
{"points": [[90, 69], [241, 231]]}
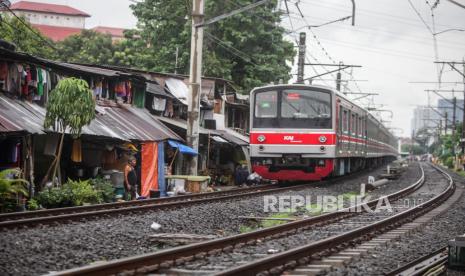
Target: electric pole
{"points": [[195, 79], [454, 119], [462, 142], [301, 60], [445, 125]]}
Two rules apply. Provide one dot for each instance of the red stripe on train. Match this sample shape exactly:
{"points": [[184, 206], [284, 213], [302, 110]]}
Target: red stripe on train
{"points": [[292, 138]]}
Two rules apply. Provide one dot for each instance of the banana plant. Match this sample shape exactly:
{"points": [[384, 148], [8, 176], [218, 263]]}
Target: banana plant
{"points": [[11, 187]]}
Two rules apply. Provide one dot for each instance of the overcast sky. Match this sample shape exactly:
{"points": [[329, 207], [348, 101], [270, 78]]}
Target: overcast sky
{"points": [[388, 40]]}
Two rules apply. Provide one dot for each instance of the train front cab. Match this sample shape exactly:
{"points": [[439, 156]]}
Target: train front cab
{"points": [[292, 133]]}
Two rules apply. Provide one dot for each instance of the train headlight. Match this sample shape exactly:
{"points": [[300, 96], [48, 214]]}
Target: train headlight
{"points": [[261, 138], [322, 139], [322, 148]]}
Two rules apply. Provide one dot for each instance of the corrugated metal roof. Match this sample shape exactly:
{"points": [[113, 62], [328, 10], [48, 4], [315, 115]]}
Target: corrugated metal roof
{"points": [[16, 116], [157, 90], [227, 134], [123, 123]]}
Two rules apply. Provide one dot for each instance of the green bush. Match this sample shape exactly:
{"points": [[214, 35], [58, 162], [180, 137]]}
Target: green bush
{"points": [[104, 188], [449, 162], [55, 198], [33, 205], [72, 193]]}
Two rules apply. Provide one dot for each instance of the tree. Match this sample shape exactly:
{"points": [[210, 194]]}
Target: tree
{"points": [[86, 47], [247, 48], [70, 107], [14, 31]]}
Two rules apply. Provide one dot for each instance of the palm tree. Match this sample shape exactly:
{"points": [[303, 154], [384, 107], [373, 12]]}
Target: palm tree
{"points": [[11, 188]]}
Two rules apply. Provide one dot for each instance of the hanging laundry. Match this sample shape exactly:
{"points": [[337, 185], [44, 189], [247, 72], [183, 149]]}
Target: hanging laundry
{"points": [[104, 89], [3, 75], [158, 104], [110, 157], [98, 87], [14, 79], [40, 84], [120, 89], [51, 144], [169, 111], [26, 78], [76, 154]]}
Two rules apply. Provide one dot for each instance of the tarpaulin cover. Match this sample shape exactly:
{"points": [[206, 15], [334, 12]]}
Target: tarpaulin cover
{"points": [[149, 168], [182, 148]]}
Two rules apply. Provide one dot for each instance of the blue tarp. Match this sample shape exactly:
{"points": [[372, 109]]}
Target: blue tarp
{"points": [[182, 148]]}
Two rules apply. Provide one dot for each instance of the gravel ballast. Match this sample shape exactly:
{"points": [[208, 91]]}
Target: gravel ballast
{"points": [[430, 237], [52, 248]]}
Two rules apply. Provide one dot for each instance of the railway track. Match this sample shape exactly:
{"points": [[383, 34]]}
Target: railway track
{"points": [[431, 264], [167, 261], [69, 214]]}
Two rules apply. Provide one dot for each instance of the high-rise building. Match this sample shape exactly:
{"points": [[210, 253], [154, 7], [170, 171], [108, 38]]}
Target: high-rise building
{"points": [[424, 117], [446, 105]]}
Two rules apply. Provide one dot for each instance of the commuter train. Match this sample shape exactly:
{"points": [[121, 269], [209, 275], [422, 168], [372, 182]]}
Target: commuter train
{"points": [[309, 132]]}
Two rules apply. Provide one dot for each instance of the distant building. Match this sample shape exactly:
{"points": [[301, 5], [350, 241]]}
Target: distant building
{"points": [[54, 21], [424, 117], [447, 106], [116, 33], [58, 22]]}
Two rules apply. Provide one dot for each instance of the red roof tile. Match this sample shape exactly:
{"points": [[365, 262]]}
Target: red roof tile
{"points": [[114, 32], [48, 8], [56, 33]]}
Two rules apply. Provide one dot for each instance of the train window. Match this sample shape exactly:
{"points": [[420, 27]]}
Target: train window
{"points": [[302, 104], [340, 119], [357, 125], [360, 128], [266, 104], [345, 121], [293, 108], [352, 124]]}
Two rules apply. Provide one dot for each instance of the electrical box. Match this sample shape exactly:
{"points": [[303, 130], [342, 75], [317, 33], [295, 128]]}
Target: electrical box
{"points": [[457, 253]]}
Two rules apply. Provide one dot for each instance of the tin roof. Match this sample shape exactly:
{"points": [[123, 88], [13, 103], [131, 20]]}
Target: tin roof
{"points": [[57, 33], [114, 32], [123, 123], [47, 8]]}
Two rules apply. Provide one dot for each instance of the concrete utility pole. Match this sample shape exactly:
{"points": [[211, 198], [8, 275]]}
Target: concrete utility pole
{"points": [[445, 125], [454, 117], [463, 118], [195, 79], [301, 60]]}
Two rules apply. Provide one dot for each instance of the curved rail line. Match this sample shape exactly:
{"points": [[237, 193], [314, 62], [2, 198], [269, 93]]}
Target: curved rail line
{"points": [[63, 215], [166, 258], [288, 259]]}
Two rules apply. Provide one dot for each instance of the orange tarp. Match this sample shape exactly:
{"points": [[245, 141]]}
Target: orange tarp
{"points": [[149, 168]]}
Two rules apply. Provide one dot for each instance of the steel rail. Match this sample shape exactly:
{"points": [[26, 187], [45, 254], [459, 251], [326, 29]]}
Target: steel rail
{"points": [[62, 215], [170, 256], [416, 262], [34, 221], [283, 260]]}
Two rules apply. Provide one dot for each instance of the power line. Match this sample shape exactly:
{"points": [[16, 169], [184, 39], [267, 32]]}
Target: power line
{"points": [[421, 17], [231, 49], [29, 27]]}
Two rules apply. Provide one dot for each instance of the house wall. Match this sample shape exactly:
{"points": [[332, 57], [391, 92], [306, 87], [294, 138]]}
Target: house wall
{"points": [[53, 19]]}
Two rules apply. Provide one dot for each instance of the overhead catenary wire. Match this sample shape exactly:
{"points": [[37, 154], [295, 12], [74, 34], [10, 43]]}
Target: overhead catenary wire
{"points": [[2, 4]]}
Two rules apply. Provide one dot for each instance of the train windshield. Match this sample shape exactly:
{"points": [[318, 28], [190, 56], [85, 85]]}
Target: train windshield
{"points": [[292, 108]]}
